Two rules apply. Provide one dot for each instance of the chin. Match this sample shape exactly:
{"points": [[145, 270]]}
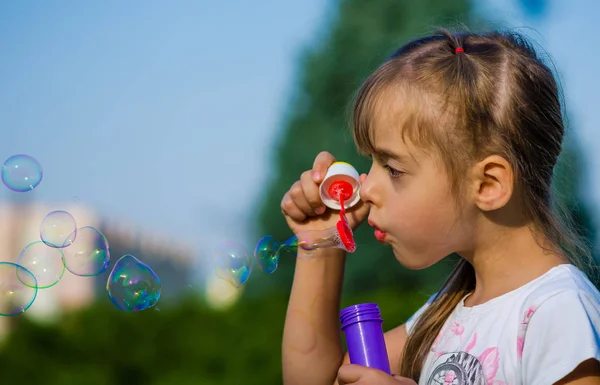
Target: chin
{"points": [[413, 261]]}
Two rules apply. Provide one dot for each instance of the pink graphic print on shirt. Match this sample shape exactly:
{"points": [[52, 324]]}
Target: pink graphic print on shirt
{"points": [[489, 360], [448, 337], [522, 329], [458, 368]]}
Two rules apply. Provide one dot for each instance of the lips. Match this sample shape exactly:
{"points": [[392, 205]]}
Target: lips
{"points": [[379, 235]]}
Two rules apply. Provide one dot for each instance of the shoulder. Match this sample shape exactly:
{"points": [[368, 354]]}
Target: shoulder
{"points": [[564, 287], [559, 326]]}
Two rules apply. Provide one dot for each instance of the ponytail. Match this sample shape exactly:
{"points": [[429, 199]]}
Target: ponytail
{"points": [[427, 327]]}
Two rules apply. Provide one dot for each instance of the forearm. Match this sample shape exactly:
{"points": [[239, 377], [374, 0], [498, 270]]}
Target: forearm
{"points": [[312, 348]]}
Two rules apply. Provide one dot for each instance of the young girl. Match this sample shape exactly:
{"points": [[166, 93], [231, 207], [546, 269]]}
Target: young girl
{"points": [[464, 132]]}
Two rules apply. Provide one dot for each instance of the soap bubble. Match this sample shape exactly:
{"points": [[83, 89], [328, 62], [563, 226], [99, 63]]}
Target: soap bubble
{"points": [[45, 263], [18, 289], [89, 254], [58, 229], [132, 285], [21, 173], [266, 254], [233, 263]]}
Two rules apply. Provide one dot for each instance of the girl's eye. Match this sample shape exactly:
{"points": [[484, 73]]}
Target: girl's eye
{"points": [[393, 172]]}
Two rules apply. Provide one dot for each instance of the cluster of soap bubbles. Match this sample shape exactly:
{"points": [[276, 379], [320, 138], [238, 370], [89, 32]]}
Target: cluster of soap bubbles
{"points": [[131, 286], [234, 264]]}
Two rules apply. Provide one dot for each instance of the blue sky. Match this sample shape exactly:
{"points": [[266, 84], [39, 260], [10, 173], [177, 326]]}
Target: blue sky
{"points": [[162, 115], [165, 115]]}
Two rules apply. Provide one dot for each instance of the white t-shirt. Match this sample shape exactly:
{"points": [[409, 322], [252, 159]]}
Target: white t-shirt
{"points": [[534, 335]]}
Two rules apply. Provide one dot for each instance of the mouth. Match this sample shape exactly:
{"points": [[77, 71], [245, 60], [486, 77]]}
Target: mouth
{"points": [[379, 234]]}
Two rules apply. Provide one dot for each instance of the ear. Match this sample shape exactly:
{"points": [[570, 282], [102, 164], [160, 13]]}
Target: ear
{"points": [[493, 183]]}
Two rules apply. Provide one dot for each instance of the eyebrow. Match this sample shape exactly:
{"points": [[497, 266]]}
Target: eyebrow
{"points": [[387, 154]]}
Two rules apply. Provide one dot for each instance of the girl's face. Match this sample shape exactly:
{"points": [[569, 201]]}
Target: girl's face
{"points": [[411, 204]]}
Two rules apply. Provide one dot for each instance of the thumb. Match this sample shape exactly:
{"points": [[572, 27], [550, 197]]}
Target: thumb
{"points": [[358, 214]]}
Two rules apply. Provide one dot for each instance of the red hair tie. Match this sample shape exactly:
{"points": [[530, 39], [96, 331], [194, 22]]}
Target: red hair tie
{"points": [[459, 49]]}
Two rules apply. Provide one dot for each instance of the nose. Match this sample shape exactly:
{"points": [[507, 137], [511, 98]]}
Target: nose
{"points": [[367, 193]]}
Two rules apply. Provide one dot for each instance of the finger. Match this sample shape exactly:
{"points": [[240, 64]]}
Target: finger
{"points": [[311, 192], [348, 374], [360, 211], [298, 195], [290, 209], [358, 214], [321, 164]]}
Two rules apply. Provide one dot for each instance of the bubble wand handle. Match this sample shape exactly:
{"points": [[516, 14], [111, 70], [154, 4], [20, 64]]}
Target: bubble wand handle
{"points": [[362, 326], [312, 240]]}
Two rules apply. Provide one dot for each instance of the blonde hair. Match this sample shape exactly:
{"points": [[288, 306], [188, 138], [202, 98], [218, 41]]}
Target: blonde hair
{"points": [[495, 96]]}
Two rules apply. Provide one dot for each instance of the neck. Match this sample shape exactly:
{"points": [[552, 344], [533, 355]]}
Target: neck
{"points": [[511, 259]]}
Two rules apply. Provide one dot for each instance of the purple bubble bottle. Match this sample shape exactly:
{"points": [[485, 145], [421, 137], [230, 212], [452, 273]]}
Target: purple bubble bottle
{"points": [[364, 336]]}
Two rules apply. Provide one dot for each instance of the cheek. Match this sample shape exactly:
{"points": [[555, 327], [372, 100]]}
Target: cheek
{"points": [[425, 216]]}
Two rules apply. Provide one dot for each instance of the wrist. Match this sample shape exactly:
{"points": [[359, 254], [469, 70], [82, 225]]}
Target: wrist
{"points": [[321, 255]]}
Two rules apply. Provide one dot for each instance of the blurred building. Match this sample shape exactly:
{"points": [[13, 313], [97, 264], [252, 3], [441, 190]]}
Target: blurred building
{"points": [[171, 259], [20, 225]]}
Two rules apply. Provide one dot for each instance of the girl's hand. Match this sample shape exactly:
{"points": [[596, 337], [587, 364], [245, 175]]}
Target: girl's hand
{"points": [[302, 206], [361, 375]]}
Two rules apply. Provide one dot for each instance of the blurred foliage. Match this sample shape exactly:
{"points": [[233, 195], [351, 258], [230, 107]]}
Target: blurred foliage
{"points": [[184, 344], [570, 179], [534, 8]]}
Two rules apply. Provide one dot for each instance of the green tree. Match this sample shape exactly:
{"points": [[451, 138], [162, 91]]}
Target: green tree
{"points": [[534, 8]]}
